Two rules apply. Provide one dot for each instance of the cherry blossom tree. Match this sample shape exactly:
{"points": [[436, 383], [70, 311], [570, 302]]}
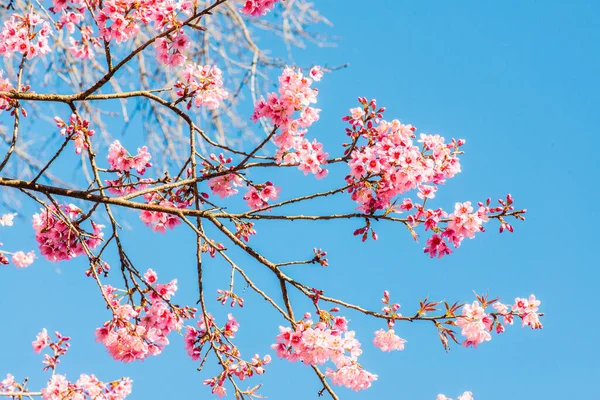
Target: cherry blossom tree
{"points": [[191, 68]]}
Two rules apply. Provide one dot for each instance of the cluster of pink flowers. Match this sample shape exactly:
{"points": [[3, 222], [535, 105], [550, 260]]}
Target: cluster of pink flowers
{"points": [[258, 196], [59, 240], [8, 384], [120, 20], [22, 259], [7, 219], [84, 47], [59, 347], [137, 333], [203, 85], [122, 163], [328, 339], [19, 258], [463, 223], [225, 295], [160, 221], [295, 94], [225, 185], [170, 49], [257, 8], [72, 13], [76, 130], [120, 160], [26, 34], [388, 340], [86, 387], [526, 309], [464, 396], [391, 163], [72, 17], [59, 388], [220, 340], [476, 324], [5, 86], [196, 338]]}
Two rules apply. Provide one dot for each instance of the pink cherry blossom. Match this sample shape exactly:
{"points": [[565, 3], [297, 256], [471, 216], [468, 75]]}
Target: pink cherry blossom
{"points": [[316, 73], [8, 384], [170, 50], [316, 344], [393, 159], [22, 260], [475, 324], [120, 159], [136, 334], [527, 311], [7, 219], [351, 375], [388, 340], [41, 341], [203, 84], [259, 195], [62, 240], [86, 387], [26, 34], [76, 130], [294, 94], [257, 8], [159, 221], [464, 396], [224, 185]]}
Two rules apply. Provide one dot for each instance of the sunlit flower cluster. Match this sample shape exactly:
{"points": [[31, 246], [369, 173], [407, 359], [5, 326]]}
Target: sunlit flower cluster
{"points": [[25, 34], [76, 130], [136, 333], [295, 95], [59, 233], [327, 340]]}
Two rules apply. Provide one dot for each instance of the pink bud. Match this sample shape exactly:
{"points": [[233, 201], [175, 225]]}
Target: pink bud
{"points": [[499, 328]]}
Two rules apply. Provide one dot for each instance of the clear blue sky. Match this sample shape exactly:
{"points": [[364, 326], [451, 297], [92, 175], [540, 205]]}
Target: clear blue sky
{"points": [[519, 81]]}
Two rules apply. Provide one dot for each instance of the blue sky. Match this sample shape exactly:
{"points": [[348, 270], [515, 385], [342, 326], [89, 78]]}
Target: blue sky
{"points": [[519, 81]]}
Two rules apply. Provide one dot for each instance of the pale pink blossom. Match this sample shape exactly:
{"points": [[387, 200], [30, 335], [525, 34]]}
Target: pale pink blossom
{"points": [[41, 341], [388, 340], [257, 8], [22, 260], [475, 324], [204, 84], [7, 219]]}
